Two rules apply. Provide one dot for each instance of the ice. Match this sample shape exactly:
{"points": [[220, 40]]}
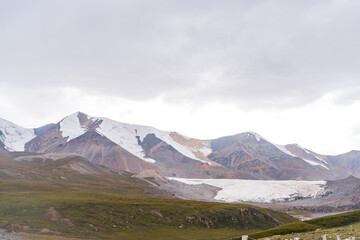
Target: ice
{"points": [[284, 150], [238, 190], [315, 163]]}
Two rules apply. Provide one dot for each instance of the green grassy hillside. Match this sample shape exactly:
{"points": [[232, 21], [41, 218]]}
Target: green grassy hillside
{"points": [[50, 197], [328, 222]]}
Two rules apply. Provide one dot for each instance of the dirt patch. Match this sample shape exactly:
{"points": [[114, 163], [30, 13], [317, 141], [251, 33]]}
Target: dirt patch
{"points": [[189, 142], [56, 217], [194, 144], [93, 226], [201, 156], [19, 228], [46, 230], [3, 223], [157, 212]]}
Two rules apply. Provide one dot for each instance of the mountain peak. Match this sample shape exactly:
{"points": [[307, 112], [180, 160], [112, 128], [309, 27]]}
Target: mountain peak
{"points": [[71, 127], [256, 135], [77, 114], [13, 136]]}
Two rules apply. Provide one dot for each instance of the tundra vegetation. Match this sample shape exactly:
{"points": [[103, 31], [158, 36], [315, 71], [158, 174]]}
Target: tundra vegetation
{"points": [[56, 198], [345, 225]]}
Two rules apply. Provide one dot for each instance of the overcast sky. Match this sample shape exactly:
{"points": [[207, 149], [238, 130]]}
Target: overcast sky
{"points": [[289, 70]]}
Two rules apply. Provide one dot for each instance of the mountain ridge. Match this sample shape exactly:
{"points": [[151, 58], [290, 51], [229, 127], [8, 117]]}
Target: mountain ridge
{"points": [[133, 148]]}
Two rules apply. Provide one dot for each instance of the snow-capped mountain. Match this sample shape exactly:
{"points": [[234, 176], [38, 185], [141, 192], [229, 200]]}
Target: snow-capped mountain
{"points": [[14, 137], [134, 148], [259, 158], [128, 136], [124, 146]]}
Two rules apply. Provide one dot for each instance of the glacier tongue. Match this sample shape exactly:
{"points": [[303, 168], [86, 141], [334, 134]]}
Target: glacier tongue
{"points": [[238, 190], [15, 137]]}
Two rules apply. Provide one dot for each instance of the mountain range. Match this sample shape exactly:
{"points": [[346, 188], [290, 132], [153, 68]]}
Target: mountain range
{"points": [[137, 148]]}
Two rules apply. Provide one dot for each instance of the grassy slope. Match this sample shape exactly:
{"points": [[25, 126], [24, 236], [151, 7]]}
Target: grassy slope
{"points": [[114, 206], [327, 222], [107, 215], [352, 230]]}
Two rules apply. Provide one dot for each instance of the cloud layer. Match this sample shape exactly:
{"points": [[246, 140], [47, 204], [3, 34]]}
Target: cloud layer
{"points": [[251, 55], [257, 53]]}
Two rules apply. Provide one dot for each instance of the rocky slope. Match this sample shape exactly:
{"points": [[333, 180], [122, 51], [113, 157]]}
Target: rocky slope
{"points": [[252, 153], [341, 195]]}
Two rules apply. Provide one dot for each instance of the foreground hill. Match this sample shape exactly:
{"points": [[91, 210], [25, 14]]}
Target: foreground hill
{"points": [[68, 195], [135, 148], [323, 225]]}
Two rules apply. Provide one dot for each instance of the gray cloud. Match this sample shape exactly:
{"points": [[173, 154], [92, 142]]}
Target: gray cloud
{"points": [[253, 53]]}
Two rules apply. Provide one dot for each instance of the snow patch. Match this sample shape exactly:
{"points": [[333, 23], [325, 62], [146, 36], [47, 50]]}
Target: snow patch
{"points": [[238, 190], [284, 150], [280, 147], [257, 136], [15, 137], [315, 163], [125, 135], [311, 161], [71, 127], [308, 152], [149, 160]]}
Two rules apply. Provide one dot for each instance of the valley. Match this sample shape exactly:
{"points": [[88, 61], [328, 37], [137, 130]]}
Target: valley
{"points": [[68, 196], [89, 177]]}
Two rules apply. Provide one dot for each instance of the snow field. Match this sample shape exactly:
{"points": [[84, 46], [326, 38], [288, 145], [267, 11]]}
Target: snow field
{"points": [[238, 190], [71, 127], [15, 137]]}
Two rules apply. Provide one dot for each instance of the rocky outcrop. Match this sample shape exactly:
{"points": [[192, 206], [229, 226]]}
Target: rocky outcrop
{"points": [[101, 150], [49, 141], [2, 147], [344, 163], [41, 130], [172, 163], [340, 195], [262, 159]]}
